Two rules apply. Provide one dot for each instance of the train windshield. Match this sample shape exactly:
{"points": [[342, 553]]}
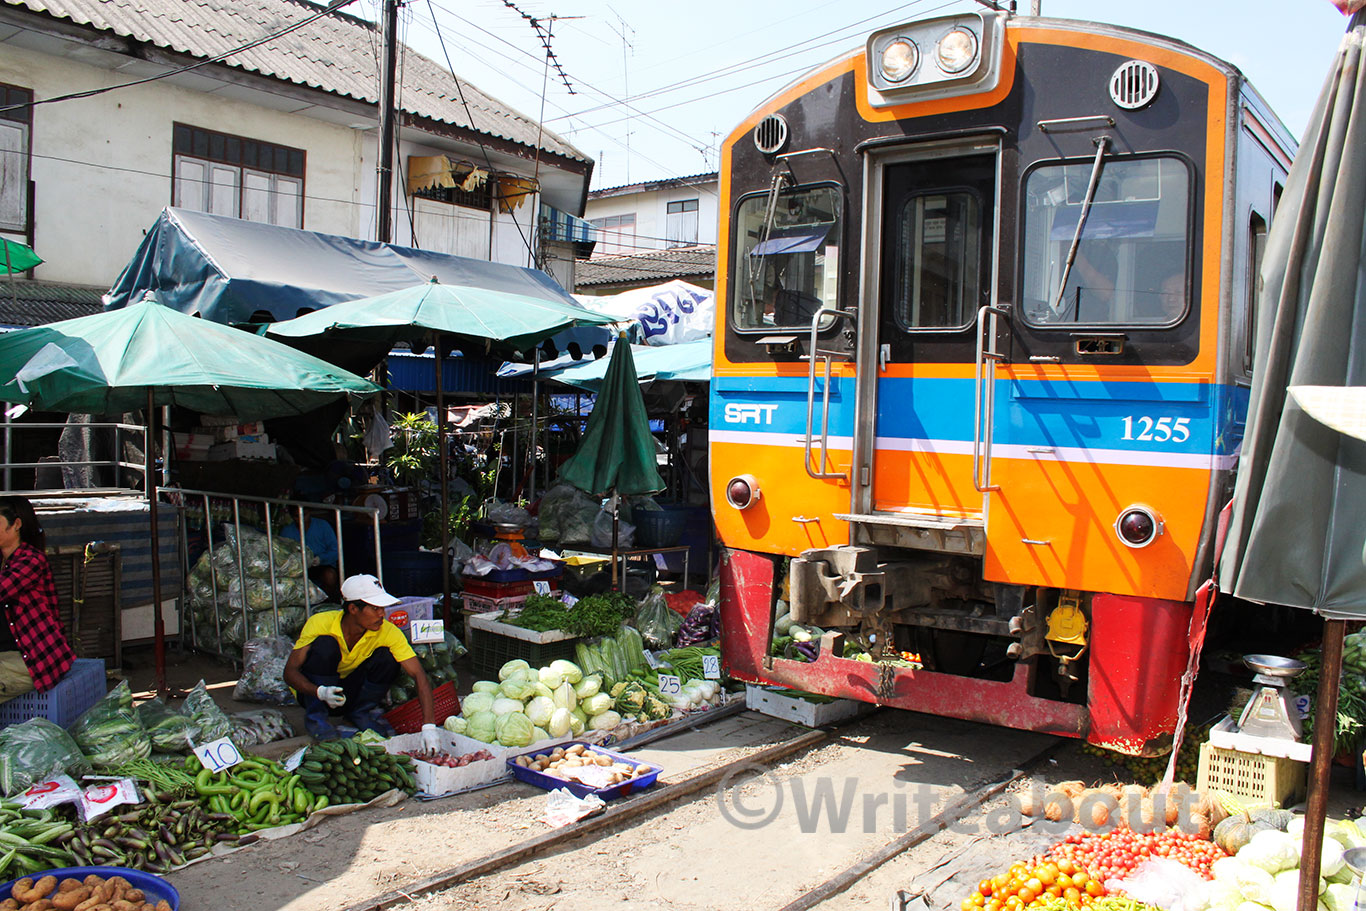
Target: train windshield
{"points": [[1131, 261], [786, 257]]}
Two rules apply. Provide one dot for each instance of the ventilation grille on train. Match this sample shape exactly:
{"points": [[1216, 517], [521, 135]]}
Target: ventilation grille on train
{"points": [[771, 134], [1134, 85]]}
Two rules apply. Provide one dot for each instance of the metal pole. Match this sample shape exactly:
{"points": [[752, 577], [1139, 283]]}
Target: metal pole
{"points": [[442, 457], [535, 411], [9, 450], [158, 622], [1321, 764], [384, 170]]}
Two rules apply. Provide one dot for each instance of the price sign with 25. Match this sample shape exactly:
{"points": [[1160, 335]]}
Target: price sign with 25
{"points": [[670, 685]]}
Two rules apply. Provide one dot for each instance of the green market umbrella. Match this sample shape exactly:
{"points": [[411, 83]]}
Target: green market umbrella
{"points": [[1296, 535], [617, 454], [17, 257], [146, 356], [494, 320]]}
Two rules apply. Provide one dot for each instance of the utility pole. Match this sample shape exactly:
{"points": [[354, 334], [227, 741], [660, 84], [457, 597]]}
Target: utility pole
{"points": [[384, 170]]}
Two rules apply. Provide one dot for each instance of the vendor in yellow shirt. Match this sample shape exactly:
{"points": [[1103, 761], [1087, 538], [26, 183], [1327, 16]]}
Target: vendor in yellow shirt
{"points": [[346, 660]]}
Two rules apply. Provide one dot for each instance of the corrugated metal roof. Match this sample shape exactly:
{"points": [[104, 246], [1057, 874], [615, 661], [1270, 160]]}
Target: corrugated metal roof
{"points": [[335, 53], [652, 266], [30, 303]]}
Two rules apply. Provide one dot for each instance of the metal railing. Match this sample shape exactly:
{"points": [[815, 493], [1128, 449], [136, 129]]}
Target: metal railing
{"points": [[209, 506], [118, 429]]}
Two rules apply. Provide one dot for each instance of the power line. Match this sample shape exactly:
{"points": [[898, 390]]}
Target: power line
{"points": [[90, 93]]}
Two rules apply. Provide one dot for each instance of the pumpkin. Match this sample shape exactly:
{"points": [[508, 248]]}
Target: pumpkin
{"points": [[1236, 831]]}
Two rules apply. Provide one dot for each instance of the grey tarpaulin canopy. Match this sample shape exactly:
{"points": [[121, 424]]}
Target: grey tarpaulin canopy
{"points": [[1296, 534], [227, 269]]}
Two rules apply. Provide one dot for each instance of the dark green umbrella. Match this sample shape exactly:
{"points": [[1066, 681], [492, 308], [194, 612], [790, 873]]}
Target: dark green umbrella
{"points": [[617, 454], [146, 356], [17, 257], [492, 320], [1296, 534]]}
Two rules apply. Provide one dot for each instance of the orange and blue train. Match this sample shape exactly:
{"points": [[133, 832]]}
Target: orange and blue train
{"points": [[986, 306]]}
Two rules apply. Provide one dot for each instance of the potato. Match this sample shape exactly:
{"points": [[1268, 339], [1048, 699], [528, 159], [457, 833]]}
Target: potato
{"points": [[66, 901], [123, 904], [576, 750], [9, 904], [542, 757], [21, 889], [523, 761], [41, 904], [162, 905], [68, 884], [134, 895], [557, 753], [94, 879]]}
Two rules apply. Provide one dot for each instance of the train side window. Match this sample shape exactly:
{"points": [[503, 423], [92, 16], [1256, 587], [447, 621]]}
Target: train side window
{"points": [[786, 263], [938, 258], [1256, 250], [1131, 264]]}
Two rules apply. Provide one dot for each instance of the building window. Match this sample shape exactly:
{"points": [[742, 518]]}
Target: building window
{"points": [[243, 178], [616, 234], [480, 197], [681, 226], [14, 156]]}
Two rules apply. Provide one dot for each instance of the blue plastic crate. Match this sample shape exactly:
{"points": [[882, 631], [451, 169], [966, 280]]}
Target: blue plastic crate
{"points": [[82, 687], [551, 783]]}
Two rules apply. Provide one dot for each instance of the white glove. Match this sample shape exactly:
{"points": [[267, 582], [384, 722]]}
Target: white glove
{"points": [[429, 738], [333, 696]]}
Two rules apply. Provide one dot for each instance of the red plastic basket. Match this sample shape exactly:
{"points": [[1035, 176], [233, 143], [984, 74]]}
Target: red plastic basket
{"points": [[482, 588], [407, 718]]}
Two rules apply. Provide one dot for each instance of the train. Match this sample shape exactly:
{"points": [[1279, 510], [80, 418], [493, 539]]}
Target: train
{"points": [[986, 308]]}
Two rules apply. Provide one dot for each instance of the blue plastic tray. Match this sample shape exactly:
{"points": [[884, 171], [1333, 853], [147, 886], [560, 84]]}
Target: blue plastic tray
{"points": [[152, 885], [551, 783]]}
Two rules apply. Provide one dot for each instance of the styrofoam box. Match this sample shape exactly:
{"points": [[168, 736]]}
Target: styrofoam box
{"points": [[771, 701], [1226, 735], [481, 621], [437, 780]]}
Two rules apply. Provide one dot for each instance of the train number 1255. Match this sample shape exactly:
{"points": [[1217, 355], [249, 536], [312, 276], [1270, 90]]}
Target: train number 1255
{"points": [[1159, 430]]}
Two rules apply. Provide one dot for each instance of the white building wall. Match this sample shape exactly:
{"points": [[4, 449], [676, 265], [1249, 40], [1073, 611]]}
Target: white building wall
{"points": [[651, 210], [101, 166]]}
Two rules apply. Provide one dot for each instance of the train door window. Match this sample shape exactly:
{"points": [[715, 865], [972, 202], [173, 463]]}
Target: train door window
{"points": [[937, 234], [786, 263], [1256, 251], [1131, 262]]}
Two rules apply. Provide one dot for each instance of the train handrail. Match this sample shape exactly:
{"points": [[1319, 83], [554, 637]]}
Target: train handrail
{"points": [[982, 431], [819, 473]]}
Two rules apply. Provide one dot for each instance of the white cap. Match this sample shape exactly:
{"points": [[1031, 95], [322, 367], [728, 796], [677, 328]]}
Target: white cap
{"points": [[367, 588]]}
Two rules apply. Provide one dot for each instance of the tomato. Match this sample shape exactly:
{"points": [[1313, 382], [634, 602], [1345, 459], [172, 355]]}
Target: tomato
{"points": [[1047, 874], [1027, 895], [1072, 895], [984, 887], [967, 905], [1064, 879], [1095, 889], [1034, 885]]}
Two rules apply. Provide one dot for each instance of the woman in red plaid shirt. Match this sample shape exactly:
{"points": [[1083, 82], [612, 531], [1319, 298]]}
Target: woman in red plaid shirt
{"points": [[34, 653]]}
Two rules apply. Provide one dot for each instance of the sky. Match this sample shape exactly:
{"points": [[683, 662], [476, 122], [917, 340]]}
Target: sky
{"points": [[656, 85]]}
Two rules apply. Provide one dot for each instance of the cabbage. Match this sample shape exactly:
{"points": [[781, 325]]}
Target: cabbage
{"points": [[1272, 851], [1344, 831], [605, 722], [505, 706], [561, 722], [456, 724], [516, 664], [539, 735], [568, 670], [542, 689], [577, 722], [1224, 894], [1252, 906], [475, 703], [1253, 882], [539, 711], [1330, 861], [565, 698], [596, 705], [1285, 891], [551, 677], [1343, 876], [482, 726], [1340, 897], [486, 686], [696, 694], [515, 730], [588, 686], [519, 688]]}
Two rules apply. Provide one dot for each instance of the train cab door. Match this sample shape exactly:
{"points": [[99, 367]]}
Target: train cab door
{"points": [[934, 208]]}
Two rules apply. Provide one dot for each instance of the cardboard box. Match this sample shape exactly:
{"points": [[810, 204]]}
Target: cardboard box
{"points": [[240, 449], [770, 700]]}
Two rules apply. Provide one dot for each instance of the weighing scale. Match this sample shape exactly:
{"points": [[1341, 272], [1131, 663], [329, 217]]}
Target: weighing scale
{"points": [[1271, 711]]}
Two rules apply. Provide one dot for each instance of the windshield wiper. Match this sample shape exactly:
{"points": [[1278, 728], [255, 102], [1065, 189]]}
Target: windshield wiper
{"points": [[1101, 145]]}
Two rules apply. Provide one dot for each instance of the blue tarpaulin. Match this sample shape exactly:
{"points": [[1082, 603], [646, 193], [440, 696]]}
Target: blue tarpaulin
{"points": [[227, 269]]}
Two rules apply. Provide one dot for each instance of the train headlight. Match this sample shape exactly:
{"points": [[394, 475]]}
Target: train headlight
{"points": [[956, 51], [1138, 526], [742, 491], [899, 60]]}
